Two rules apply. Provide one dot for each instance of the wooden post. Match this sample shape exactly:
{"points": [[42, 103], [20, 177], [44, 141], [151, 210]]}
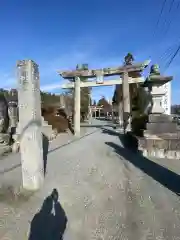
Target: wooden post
{"points": [[126, 103], [77, 106]]}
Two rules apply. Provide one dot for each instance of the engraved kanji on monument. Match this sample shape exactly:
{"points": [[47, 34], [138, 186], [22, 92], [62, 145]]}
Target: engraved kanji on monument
{"points": [[30, 125]]}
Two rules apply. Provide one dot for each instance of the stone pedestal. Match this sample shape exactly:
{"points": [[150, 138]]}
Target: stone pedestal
{"points": [[161, 138], [30, 125], [159, 124], [160, 145]]}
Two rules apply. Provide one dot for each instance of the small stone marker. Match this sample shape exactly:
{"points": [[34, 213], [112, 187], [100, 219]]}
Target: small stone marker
{"points": [[30, 124], [13, 109]]}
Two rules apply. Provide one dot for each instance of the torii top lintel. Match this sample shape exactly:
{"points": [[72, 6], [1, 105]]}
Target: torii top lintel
{"points": [[138, 67]]}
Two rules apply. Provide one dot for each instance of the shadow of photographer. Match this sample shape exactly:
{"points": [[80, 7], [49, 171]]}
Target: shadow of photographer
{"points": [[50, 222]]}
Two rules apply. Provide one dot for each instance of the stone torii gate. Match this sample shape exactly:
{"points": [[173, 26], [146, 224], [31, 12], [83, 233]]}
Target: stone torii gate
{"points": [[82, 72]]}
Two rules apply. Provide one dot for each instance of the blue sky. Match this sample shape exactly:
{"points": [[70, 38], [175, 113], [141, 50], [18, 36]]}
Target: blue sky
{"points": [[59, 34]]}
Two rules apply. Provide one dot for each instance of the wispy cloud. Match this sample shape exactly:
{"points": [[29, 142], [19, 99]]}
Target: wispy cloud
{"points": [[50, 80], [51, 87], [7, 80]]}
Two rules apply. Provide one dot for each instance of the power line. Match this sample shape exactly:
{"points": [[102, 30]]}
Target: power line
{"points": [[160, 15], [167, 53], [166, 22], [178, 48], [170, 54], [170, 9], [171, 5], [167, 60], [158, 20], [172, 58]]}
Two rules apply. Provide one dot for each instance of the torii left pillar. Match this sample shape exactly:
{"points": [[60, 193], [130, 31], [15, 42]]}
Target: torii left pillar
{"points": [[77, 100]]}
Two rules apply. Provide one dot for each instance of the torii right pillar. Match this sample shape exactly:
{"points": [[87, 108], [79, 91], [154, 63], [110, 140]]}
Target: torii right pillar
{"points": [[126, 103], [77, 107]]}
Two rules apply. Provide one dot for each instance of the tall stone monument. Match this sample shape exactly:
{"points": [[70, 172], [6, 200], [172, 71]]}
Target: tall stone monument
{"points": [[30, 124]]}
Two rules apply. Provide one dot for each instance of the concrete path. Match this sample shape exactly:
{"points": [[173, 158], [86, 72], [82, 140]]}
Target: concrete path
{"points": [[106, 193], [10, 165]]}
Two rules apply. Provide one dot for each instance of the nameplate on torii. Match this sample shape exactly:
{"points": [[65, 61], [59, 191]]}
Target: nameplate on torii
{"points": [[100, 79]]}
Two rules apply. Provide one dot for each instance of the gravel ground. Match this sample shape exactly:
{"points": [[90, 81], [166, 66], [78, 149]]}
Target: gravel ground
{"points": [[106, 193]]}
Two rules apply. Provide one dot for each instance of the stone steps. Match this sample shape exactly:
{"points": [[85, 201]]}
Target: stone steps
{"points": [[47, 130]]}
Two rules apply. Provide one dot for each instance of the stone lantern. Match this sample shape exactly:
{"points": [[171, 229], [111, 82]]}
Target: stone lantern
{"points": [[155, 85], [161, 137]]}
